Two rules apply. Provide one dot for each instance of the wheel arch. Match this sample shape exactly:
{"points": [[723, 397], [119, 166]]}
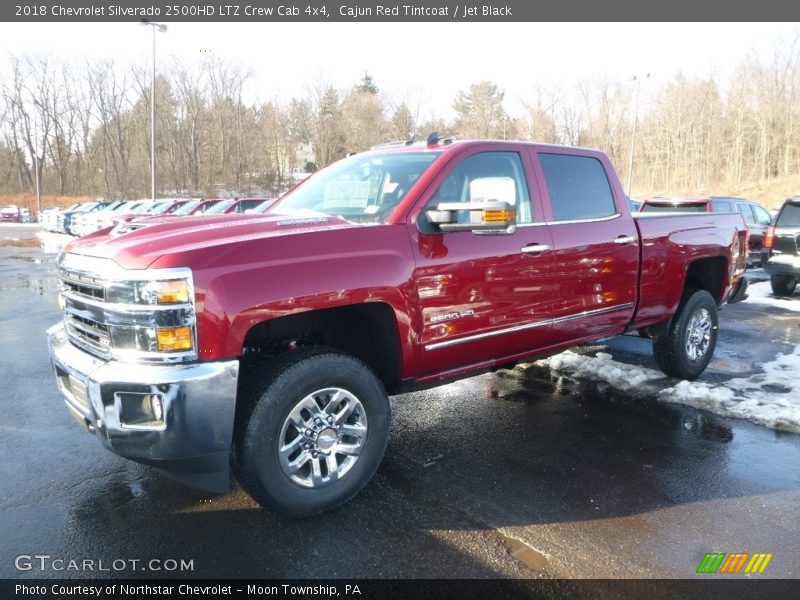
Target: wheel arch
{"points": [[707, 274], [369, 331]]}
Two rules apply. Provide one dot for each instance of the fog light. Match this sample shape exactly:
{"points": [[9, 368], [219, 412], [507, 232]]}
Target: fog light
{"points": [[140, 411], [156, 407], [174, 339]]}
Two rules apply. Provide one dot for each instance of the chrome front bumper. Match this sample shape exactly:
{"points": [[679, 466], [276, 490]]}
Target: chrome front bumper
{"points": [[191, 441]]}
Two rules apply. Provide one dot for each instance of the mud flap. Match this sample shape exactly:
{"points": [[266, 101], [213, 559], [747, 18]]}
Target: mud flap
{"points": [[740, 293]]}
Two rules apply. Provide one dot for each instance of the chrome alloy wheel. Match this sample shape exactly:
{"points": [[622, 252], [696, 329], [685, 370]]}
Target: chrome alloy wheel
{"points": [[698, 335], [322, 438]]}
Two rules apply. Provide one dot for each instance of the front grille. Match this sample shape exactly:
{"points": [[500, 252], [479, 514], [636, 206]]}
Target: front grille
{"points": [[88, 291], [88, 333], [83, 285]]}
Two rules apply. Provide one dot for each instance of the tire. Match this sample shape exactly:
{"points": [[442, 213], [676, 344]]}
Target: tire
{"points": [[689, 344], [782, 285], [279, 432]]}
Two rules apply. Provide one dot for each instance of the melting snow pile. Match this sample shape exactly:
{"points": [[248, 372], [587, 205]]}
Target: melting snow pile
{"points": [[624, 377], [771, 398], [761, 293], [53, 243]]}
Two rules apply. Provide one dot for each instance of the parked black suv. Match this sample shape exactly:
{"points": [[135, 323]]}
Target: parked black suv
{"points": [[780, 256]]}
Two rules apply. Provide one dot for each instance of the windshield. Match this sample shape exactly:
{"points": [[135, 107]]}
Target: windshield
{"points": [[362, 188], [174, 207], [187, 208], [673, 208], [264, 205], [219, 207], [85, 207], [161, 207], [125, 207], [144, 207]]}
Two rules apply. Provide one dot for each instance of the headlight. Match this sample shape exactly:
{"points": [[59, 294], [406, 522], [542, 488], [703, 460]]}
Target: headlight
{"points": [[170, 291], [174, 291], [146, 315]]}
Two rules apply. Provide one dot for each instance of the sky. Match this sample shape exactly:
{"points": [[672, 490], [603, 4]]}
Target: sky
{"points": [[425, 64]]}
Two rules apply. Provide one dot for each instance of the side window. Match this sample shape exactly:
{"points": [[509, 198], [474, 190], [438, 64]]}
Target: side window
{"points": [[762, 216], [747, 213], [578, 186], [488, 176]]}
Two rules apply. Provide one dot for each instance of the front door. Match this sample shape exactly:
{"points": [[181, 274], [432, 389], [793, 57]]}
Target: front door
{"points": [[483, 297]]}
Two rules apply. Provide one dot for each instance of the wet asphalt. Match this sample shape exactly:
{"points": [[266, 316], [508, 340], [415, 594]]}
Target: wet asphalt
{"points": [[518, 474]]}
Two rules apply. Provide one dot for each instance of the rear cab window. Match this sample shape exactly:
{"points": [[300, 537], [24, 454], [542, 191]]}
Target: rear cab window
{"points": [[666, 207]]}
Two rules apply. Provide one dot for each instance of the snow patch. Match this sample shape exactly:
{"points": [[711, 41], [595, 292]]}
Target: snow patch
{"points": [[53, 243], [601, 367], [761, 293], [770, 398]]}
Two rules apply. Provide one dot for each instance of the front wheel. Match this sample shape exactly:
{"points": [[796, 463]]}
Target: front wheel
{"points": [[692, 336], [316, 433], [782, 285]]}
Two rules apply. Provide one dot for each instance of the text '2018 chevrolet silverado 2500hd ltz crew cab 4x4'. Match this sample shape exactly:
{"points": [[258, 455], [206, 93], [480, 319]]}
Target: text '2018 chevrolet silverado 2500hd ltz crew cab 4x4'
{"points": [[269, 342]]}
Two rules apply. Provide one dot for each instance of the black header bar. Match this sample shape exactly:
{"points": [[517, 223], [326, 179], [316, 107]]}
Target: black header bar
{"points": [[409, 11]]}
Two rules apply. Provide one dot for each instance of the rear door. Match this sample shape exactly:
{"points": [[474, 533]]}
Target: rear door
{"points": [[595, 244], [483, 297]]}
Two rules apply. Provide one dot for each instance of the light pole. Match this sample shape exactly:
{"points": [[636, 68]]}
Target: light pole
{"points": [[36, 106], [162, 28], [633, 135]]}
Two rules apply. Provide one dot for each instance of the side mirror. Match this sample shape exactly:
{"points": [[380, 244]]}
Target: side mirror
{"points": [[486, 217]]}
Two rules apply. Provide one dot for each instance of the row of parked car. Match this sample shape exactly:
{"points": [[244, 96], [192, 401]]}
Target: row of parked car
{"points": [[88, 217]]}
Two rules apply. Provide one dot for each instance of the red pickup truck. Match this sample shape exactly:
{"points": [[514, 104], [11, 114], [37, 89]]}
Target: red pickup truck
{"points": [[269, 342]]}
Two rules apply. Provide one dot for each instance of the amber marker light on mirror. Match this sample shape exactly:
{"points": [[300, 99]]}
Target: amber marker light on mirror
{"points": [[499, 216]]}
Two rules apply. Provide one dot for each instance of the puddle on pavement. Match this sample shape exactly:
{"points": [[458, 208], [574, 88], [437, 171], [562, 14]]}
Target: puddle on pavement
{"points": [[31, 258], [725, 365], [530, 557]]}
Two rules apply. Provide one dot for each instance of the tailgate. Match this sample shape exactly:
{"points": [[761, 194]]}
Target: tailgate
{"points": [[786, 242]]}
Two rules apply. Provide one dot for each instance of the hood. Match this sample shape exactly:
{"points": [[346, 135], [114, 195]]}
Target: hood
{"points": [[142, 243]]}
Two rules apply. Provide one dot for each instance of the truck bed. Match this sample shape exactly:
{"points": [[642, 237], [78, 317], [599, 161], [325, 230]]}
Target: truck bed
{"points": [[669, 242]]}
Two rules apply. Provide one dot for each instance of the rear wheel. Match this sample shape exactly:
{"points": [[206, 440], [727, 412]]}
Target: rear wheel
{"points": [[316, 433], [782, 285], [692, 336]]}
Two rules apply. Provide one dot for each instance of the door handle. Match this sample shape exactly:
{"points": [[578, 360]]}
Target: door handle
{"points": [[535, 248], [624, 239]]}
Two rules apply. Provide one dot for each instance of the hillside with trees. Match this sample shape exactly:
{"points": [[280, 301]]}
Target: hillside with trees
{"points": [[87, 127]]}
